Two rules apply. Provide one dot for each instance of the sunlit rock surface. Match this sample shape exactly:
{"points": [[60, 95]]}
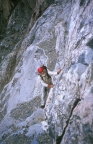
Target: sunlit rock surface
{"points": [[58, 34]]}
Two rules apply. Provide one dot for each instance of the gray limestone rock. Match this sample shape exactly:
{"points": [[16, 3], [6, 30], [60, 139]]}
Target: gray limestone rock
{"points": [[58, 34]]}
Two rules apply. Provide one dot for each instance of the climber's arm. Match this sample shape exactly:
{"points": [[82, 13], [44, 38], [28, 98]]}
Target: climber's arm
{"points": [[46, 85], [54, 73]]}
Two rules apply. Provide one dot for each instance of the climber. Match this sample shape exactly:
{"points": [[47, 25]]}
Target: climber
{"points": [[46, 81]]}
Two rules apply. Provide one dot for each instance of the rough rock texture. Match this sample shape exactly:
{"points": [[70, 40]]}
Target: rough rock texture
{"points": [[58, 34]]}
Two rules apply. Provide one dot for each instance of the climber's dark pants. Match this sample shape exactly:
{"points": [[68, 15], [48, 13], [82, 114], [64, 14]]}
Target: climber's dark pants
{"points": [[45, 91]]}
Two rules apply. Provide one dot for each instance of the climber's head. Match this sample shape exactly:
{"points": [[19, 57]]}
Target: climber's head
{"points": [[41, 70]]}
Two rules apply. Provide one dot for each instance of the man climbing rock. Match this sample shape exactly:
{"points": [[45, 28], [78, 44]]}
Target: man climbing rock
{"points": [[46, 81]]}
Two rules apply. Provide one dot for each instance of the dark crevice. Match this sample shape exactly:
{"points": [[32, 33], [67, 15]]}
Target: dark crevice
{"points": [[59, 139], [88, 2], [77, 44], [82, 2], [79, 41], [90, 43], [15, 2]]}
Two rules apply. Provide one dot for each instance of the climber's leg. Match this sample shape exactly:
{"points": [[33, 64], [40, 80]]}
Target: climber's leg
{"points": [[43, 97]]}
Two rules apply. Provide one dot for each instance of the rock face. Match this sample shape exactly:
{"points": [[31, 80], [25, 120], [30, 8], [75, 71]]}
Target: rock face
{"points": [[58, 34]]}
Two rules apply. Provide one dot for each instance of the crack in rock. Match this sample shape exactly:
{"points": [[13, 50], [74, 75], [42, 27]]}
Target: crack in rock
{"points": [[59, 139]]}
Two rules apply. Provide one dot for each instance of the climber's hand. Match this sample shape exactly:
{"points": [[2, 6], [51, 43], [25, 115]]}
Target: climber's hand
{"points": [[59, 71], [50, 85]]}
